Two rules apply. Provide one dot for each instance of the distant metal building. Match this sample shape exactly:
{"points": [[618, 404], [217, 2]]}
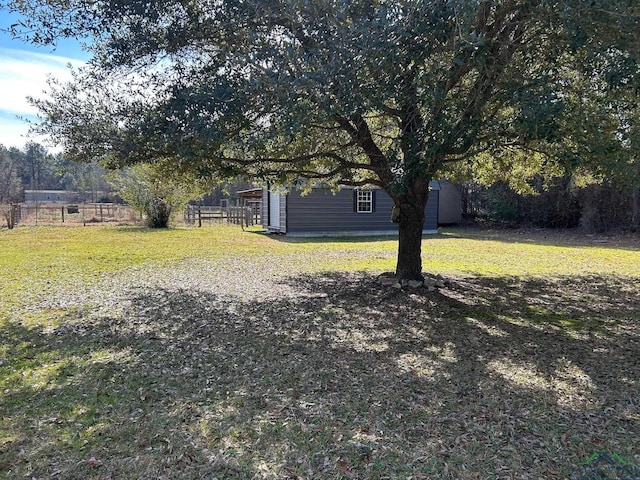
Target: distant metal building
{"points": [[50, 196], [349, 212], [68, 196]]}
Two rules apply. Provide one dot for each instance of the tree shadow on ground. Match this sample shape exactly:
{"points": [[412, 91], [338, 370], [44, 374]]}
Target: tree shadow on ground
{"points": [[532, 236], [541, 236], [487, 378]]}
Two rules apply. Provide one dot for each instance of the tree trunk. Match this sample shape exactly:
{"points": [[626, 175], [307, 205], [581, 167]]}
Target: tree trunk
{"points": [[635, 209], [13, 213], [411, 224]]}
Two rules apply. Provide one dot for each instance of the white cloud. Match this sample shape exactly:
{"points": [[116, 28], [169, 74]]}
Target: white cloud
{"points": [[23, 74], [11, 132], [14, 133]]}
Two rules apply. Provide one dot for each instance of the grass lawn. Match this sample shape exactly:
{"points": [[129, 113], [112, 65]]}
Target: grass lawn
{"points": [[213, 353]]}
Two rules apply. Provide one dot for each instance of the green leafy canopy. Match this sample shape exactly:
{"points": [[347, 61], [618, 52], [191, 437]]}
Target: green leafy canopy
{"points": [[361, 91]]}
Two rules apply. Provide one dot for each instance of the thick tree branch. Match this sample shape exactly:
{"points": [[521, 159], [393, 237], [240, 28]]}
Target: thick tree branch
{"points": [[359, 131], [344, 163], [506, 41]]}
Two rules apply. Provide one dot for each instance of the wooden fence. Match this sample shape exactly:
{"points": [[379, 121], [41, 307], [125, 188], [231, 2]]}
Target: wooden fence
{"points": [[76, 214], [31, 214], [244, 216]]}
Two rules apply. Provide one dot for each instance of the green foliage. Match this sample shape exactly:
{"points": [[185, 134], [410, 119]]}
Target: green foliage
{"points": [[35, 168], [32, 168], [502, 203], [522, 171], [81, 177], [38, 167], [594, 204], [155, 192], [378, 92], [556, 205], [10, 181], [604, 207]]}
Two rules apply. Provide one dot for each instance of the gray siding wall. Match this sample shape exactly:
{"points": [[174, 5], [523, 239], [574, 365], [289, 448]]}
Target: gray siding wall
{"points": [[431, 211], [322, 212], [284, 213]]}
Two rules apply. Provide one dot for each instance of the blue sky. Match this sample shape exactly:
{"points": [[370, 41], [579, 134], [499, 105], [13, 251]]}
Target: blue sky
{"points": [[23, 72]]}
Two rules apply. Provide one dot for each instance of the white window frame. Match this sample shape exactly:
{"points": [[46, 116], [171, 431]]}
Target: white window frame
{"points": [[364, 201]]}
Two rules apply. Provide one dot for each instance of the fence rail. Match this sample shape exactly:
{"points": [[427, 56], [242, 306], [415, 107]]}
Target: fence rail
{"points": [[28, 214], [78, 214], [245, 216]]}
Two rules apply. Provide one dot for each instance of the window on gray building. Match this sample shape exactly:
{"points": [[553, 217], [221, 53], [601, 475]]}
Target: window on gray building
{"points": [[364, 201]]}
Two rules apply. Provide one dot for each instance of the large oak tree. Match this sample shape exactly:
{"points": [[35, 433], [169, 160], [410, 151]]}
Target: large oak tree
{"points": [[361, 92]]}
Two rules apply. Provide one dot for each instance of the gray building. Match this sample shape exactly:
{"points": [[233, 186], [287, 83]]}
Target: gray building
{"points": [[50, 196], [67, 196], [349, 212], [449, 203]]}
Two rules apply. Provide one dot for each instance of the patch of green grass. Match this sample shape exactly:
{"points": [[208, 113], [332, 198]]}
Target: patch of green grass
{"points": [[217, 353], [46, 253]]}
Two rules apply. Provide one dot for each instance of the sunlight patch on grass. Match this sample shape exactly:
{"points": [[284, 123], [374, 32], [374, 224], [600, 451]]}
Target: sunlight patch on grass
{"points": [[41, 370], [481, 256], [6, 438], [419, 365], [446, 353], [363, 341], [47, 318], [571, 373], [80, 255], [430, 363], [570, 385], [521, 375], [571, 323], [45, 375], [110, 356]]}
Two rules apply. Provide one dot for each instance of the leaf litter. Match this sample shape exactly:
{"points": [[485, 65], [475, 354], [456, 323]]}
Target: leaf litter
{"points": [[247, 368]]}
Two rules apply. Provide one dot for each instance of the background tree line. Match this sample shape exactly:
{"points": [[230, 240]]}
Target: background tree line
{"points": [[35, 168], [568, 202]]}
